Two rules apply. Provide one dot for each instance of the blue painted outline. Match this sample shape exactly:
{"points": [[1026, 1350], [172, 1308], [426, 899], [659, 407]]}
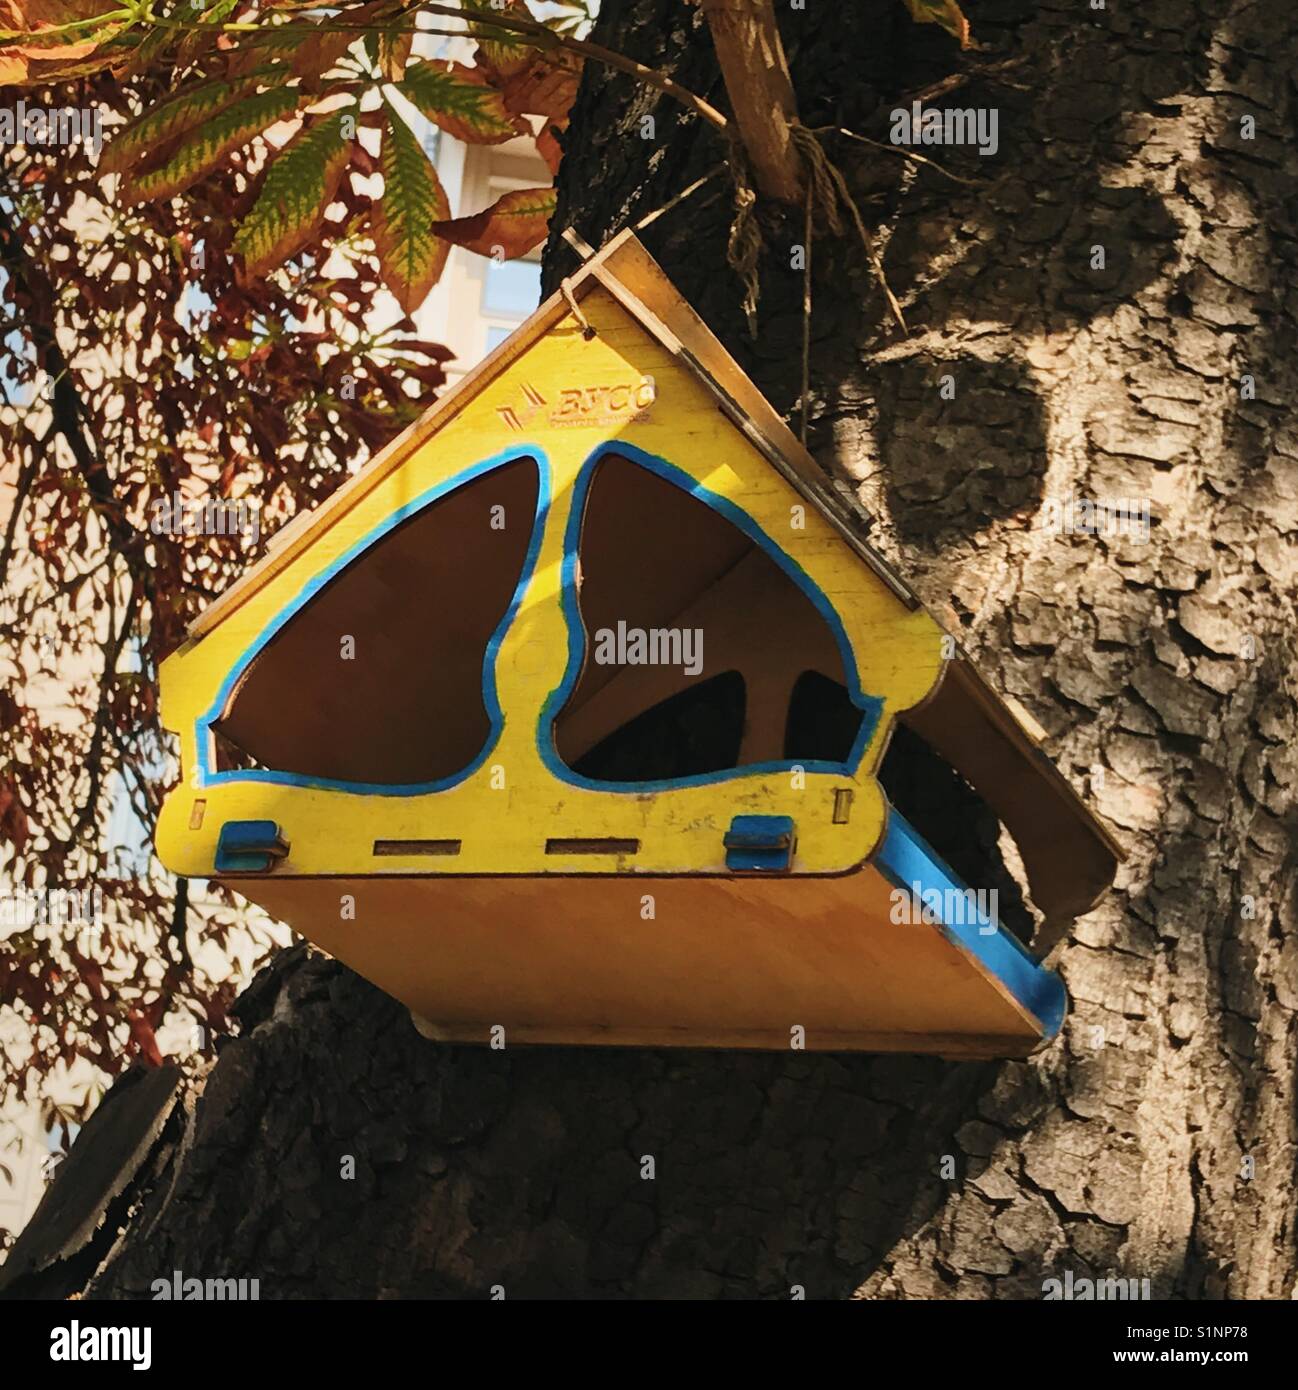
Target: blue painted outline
{"points": [[871, 706], [491, 701], [906, 858]]}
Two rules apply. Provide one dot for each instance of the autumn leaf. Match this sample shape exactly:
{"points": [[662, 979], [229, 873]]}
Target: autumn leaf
{"points": [[548, 146], [44, 69], [506, 56], [461, 102], [319, 53], [547, 87], [510, 227], [411, 257], [73, 27], [944, 12], [141, 138], [205, 30], [394, 54], [299, 186], [228, 131], [43, 39]]}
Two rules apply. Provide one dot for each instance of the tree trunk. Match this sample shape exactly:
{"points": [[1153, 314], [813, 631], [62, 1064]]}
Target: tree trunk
{"points": [[1155, 1138]]}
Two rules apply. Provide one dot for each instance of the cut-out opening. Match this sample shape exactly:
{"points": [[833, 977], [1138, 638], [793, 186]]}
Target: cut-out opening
{"points": [[822, 724], [696, 638], [690, 734], [229, 757], [592, 846], [394, 848], [380, 678], [955, 821]]}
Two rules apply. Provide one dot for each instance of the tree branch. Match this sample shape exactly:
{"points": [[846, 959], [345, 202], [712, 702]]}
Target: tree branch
{"points": [[760, 90]]}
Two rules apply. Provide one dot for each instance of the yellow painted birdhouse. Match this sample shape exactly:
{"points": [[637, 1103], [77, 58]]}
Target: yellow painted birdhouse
{"points": [[562, 722]]}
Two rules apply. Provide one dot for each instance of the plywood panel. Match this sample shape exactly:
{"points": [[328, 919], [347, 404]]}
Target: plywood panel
{"points": [[722, 962], [1069, 857]]}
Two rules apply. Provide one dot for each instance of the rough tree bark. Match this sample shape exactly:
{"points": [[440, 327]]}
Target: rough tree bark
{"points": [[1119, 1150]]}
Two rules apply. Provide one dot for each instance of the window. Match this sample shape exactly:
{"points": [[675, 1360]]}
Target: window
{"points": [[512, 287], [510, 290]]}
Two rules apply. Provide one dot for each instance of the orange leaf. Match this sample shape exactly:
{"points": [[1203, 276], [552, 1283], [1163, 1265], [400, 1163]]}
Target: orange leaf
{"points": [[548, 87], [319, 53], [548, 147], [510, 227], [508, 56]]}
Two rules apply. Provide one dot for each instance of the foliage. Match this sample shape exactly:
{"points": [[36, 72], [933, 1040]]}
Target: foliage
{"points": [[944, 12], [188, 311], [243, 73]]}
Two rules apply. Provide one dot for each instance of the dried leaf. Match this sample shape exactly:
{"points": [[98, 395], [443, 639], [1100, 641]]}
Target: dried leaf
{"points": [[510, 227], [547, 87], [506, 54], [548, 146]]}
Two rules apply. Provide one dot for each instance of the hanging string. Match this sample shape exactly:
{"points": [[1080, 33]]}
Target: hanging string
{"points": [[587, 331], [744, 249], [834, 196]]}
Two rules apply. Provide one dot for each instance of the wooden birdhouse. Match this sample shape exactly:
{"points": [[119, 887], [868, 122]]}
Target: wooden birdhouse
{"points": [[564, 717]]}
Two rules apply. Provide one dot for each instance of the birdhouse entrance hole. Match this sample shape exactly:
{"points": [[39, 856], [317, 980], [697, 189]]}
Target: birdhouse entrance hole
{"points": [[407, 702], [741, 632]]}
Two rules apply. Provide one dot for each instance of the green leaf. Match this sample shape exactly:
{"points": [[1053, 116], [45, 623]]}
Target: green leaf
{"points": [[141, 137], [228, 131], [299, 186], [411, 257], [944, 12], [460, 101]]}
